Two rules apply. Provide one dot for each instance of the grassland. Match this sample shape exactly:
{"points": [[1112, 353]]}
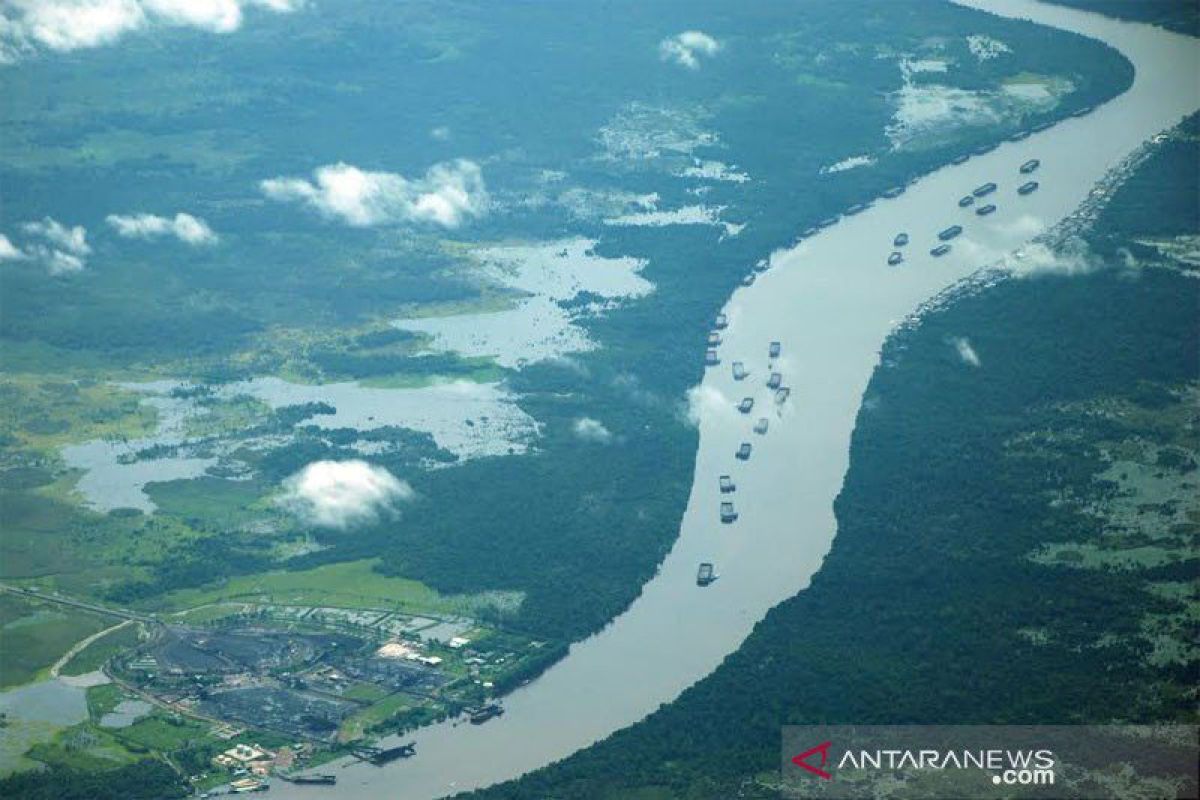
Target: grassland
{"points": [[349, 584], [34, 635], [93, 657]]}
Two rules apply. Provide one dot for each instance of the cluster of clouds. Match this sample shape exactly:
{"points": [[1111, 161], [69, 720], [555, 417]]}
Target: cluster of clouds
{"points": [[343, 494], [61, 248], [27, 26], [448, 194], [687, 48], [184, 227], [64, 249]]}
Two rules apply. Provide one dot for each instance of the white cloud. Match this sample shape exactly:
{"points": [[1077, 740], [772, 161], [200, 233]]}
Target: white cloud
{"points": [[64, 25], [342, 494], [65, 247], [686, 48], [1073, 257], [592, 430], [449, 193], [965, 351], [708, 402], [9, 251], [72, 240], [185, 227]]}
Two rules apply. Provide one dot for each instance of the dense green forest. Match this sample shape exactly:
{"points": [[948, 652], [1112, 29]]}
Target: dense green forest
{"points": [[1176, 15], [800, 88], [998, 558]]}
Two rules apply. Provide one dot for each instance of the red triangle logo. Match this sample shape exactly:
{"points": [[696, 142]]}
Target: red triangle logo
{"points": [[802, 760]]}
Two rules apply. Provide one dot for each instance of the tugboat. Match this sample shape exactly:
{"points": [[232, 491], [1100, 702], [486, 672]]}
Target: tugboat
{"points": [[1030, 165], [747, 405], [900, 240], [728, 514], [743, 451], [721, 322], [480, 715], [705, 574], [985, 189], [739, 371], [895, 258], [965, 201], [950, 233], [773, 350], [760, 427], [727, 484], [775, 381], [983, 211], [710, 358], [1027, 188], [940, 250]]}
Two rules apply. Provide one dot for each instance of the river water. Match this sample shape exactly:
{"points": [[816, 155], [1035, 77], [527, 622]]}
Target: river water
{"points": [[831, 302]]}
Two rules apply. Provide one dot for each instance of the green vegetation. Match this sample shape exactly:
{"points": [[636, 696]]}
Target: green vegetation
{"points": [[34, 635], [933, 605], [144, 780], [353, 584], [96, 654], [1177, 15]]}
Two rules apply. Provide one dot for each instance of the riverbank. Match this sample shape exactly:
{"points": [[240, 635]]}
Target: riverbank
{"points": [[830, 302]]}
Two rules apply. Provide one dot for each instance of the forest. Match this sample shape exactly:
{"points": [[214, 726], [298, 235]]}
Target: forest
{"points": [[936, 603]]}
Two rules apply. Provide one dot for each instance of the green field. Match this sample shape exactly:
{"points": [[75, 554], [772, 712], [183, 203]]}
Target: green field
{"points": [[34, 635], [350, 584]]}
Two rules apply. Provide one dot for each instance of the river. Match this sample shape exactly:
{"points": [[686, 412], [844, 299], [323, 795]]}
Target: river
{"points": [[831, 302]]}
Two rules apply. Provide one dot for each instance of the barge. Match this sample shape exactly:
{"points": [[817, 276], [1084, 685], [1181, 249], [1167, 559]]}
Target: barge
{"points": [[775, 381], [1027, 188], [728, 513], [739, 371], [721, 322], [710, 358], [983, 211], [1029, 166], [895, 191], [950, 233], [727, 485], [940, 250], [748, 279], [480, 715], [900, 240], [743, 451], [761, 426], [984, 190], [895, 258], [747, 405], [705, 574], [773, 350]]}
